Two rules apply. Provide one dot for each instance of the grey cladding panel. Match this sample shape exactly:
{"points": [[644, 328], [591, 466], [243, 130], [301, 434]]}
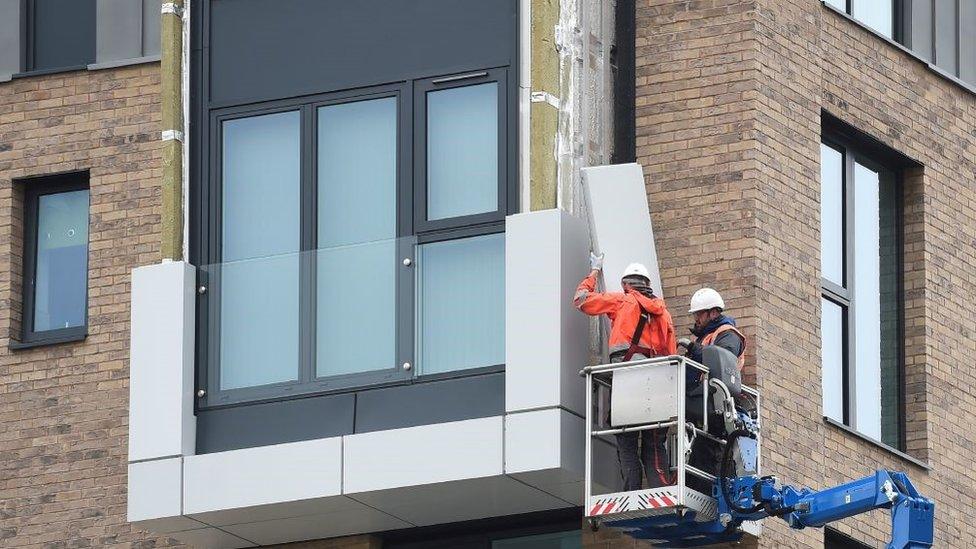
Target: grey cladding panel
{"points": [[967, 42], [119, 30], [946, 33], [9, 37], [151, 10], [64, 33], [268, 49], [920, 28], [434, 402], [274, 423]]}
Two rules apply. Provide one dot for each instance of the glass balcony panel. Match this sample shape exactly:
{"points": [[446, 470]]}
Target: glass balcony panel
{"points": [[258, 323], [461, 304], [356, 303]]}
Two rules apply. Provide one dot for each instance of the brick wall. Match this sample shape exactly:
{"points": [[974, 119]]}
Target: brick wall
{"points": [[729, 106], [64, 408]]}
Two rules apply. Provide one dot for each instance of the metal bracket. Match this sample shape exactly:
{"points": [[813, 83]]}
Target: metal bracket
{"points": [[175, 9], [545, 97], [172, 135]]}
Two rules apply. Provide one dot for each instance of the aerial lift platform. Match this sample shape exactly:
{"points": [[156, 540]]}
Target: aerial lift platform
{"points": [[705, 404]]}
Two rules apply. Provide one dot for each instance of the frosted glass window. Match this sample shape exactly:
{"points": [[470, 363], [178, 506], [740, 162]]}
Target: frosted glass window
{"points": [[61, 275], [259, 278], [867, 308], [356, 260], [839, 4], [461, 304], [559, 540], [832, 214], [832, 353], [877, 14], [462, 151]]}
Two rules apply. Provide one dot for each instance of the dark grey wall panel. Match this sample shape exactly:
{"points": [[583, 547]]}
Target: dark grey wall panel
{"points": [[919, 31], [119, 30], [9, 38], [151, 13], [64, 34], [967, 41], [274, 423], [946, 35], [310, 418], [434, 402], [269, 49]]}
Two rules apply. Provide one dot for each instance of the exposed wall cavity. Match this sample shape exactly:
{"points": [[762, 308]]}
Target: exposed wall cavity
{"points": [[572, 97], [584, 37]]}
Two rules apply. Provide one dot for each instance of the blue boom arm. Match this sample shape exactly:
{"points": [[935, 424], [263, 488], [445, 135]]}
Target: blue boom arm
{"points": [[912, 515]]}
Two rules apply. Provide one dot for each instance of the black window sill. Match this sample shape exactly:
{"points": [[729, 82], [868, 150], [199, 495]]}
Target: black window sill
{"points": [[971, 88], [897, 453], [20, 345], [44, 72]]}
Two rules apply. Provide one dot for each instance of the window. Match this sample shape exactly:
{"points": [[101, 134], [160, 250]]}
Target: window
{"points": [[55, 258], [357, 238], [60, 34], [877, 14], [861, 293]]}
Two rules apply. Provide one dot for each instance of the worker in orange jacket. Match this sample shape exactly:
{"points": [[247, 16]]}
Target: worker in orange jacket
{"points": [[640, 327]]}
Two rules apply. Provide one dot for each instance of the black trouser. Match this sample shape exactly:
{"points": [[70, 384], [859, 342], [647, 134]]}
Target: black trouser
{"points": [[652, 452]]}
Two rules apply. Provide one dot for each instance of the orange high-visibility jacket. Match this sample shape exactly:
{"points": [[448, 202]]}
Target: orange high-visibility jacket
{"points": [[624, 310], [709, 339]]}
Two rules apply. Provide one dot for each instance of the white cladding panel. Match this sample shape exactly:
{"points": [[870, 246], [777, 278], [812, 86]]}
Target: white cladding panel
{"points": [[154, 490], [546, 338], [260, 476], [161, 420], [544, 449], [620, 221], [422, 455]]}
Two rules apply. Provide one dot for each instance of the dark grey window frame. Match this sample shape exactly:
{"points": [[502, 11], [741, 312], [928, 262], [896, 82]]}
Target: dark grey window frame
{"points": [[35, 188], [852, 151], [412, 231], [422, 88], [28, 46]]}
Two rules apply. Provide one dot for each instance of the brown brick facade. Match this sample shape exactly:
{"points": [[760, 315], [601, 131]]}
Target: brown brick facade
{"points": [[729, 106], [729, 101], [64, 408]]}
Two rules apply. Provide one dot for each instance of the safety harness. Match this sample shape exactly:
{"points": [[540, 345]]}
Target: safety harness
{"points": [[635, 346]]}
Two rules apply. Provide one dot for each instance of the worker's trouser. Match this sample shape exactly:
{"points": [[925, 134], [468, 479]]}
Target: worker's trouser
{"points": [[653, 452]]}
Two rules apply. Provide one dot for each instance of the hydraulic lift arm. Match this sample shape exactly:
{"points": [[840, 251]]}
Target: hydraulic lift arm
{"points": [[911, 514]]}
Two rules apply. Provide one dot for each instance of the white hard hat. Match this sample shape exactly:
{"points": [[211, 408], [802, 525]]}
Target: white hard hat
{"points": [[636, 269], [706, 299]]}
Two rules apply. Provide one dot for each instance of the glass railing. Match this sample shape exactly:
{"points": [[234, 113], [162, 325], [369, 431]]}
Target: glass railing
{"points": [[350, 315], [290, 319]]}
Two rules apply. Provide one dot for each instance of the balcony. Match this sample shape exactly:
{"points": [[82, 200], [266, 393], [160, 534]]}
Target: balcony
{"points": [[330, 476]]}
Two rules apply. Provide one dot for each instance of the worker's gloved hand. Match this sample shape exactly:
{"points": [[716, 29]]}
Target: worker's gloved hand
{"points": [[693, 348], [596, 262]]}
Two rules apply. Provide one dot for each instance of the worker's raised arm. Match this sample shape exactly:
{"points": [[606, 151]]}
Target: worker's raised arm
{"points": [[590, 301], [587, 299]]}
